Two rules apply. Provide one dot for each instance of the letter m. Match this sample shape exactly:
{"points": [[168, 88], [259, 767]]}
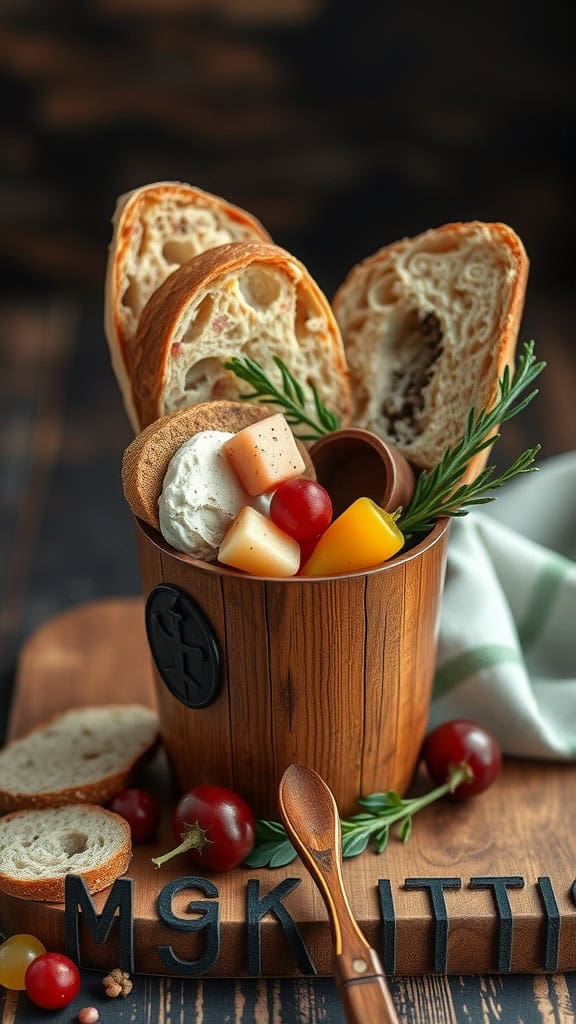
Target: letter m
{"points": [[77, 898]]}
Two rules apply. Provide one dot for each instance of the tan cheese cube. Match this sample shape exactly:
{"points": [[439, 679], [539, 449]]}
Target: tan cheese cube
{"points": [[256, 545], [264, 454]]}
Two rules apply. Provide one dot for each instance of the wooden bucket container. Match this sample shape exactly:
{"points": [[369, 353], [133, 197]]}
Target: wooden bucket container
{"points": [[333, 673]]}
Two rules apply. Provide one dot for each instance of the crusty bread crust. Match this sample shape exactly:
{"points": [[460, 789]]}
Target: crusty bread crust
{"points": [[483, 388], [146, 460], [98, 792], [52, 889], [170, 303], [129, 211]]}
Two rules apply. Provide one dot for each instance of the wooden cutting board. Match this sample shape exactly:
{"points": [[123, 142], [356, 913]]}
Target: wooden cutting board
{"points": [[522, 830]]}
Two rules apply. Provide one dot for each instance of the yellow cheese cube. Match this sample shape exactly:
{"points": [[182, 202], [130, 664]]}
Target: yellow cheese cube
{"points": [[256, 545], [264, 455]]}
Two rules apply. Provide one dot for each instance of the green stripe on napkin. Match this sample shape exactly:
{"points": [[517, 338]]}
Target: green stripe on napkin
{"points": [[469, 662]]}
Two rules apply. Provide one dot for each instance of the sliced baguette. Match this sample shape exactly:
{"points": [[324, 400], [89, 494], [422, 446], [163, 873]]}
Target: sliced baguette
{"points": [[155, 229], [39, 848], [429, 323], [146, 460], [85, 755], [240, 299]]}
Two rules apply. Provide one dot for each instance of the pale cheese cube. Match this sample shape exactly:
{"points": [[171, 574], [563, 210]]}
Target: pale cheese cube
{"points": [[256, 545], [264, 455]]}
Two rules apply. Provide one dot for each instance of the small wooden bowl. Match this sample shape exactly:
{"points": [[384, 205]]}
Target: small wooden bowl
{"points": [[355, 463]]}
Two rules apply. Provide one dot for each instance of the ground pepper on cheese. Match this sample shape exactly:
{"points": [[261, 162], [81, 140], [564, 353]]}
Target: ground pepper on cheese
{"points": [[264, 455]]}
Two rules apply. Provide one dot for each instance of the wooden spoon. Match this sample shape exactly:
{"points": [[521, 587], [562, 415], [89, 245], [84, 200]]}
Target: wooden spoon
{"points": [[311, 819]]}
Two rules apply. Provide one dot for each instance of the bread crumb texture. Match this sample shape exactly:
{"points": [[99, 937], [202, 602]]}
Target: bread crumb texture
{"points": [[258, 311], [79, 748], [57, 841], [168, 226], [427, 325]]}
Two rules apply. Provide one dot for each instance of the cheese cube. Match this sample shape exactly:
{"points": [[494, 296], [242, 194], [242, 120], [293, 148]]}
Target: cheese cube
{"points": [[256, 545], [264, 455]]}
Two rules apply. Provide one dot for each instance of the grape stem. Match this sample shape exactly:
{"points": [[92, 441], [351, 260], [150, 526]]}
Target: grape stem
{"points": [[194, 839]]}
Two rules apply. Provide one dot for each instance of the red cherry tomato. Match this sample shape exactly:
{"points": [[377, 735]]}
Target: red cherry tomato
{"points": [[463, 741], [302, 508], [52, 981], [140, 809], [225, 818]]}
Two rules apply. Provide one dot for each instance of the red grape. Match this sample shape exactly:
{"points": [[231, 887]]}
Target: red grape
{"points": [[461, 741], [302, 508], [140, 809], [215, 826]]}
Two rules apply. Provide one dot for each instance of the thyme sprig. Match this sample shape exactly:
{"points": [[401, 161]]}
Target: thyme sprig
{"points": [[437, 492], [291, 398], [380, 811]]}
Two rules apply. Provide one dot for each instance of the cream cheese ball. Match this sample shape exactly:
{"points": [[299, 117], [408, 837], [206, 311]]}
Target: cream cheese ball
{"points": [[201, 496]]}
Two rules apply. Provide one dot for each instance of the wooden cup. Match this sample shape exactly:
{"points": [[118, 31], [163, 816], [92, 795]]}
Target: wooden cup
{"points": [[334, 673]]}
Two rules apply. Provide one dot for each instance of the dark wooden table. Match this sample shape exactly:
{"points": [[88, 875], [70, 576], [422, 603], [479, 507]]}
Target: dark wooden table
{"points": [[66, 538]]}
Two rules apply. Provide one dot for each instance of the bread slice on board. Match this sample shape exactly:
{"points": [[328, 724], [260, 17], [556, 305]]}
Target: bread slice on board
{"points": [[429, 323], [146, 460], [246, 298], [38, 848], [85, 755], [155, 229]]}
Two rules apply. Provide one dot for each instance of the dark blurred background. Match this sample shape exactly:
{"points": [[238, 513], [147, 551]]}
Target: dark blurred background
{"points": [[342, 126]]}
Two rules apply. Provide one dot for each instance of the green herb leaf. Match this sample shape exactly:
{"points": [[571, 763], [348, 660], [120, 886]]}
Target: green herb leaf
{"points": [[285, 854], [380, 801], [355, 843], [272, 854], [381, 839], [406, 830], [269, 830], [291, 397]]}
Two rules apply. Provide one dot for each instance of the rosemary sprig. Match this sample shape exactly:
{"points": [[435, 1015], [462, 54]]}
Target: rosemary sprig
{"points": [[292, 398], [437, 492], [380, 811]]}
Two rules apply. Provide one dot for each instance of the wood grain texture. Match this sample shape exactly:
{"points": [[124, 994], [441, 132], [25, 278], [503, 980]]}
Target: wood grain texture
{"points": [[432, 1000], [523, 826], [312, 667]]}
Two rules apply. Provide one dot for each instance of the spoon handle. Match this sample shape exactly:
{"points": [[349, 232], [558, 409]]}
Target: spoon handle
{"points": [[363, 989]]}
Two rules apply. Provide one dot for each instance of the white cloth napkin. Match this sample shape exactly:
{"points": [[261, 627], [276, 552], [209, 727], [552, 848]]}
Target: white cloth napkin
{"points": [[507, 645]]}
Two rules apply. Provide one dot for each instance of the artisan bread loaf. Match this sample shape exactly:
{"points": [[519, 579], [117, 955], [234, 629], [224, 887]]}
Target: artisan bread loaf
{"points": [[156, 229], [239, 299], [146, 460], [39, 848], [429, 324], [83, 755]]}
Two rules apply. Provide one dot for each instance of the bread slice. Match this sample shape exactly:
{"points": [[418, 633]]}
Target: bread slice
{"points": [[155, 229], [146, 460], [85, 755], [239, 299], [429, 323], [39, 848]]}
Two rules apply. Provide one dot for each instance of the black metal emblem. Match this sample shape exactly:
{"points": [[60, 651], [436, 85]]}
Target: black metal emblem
{"points": [[183, 646]]}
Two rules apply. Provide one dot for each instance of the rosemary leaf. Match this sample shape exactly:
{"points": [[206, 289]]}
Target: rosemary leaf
{"points": [[290, 396], [438, 491]]}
